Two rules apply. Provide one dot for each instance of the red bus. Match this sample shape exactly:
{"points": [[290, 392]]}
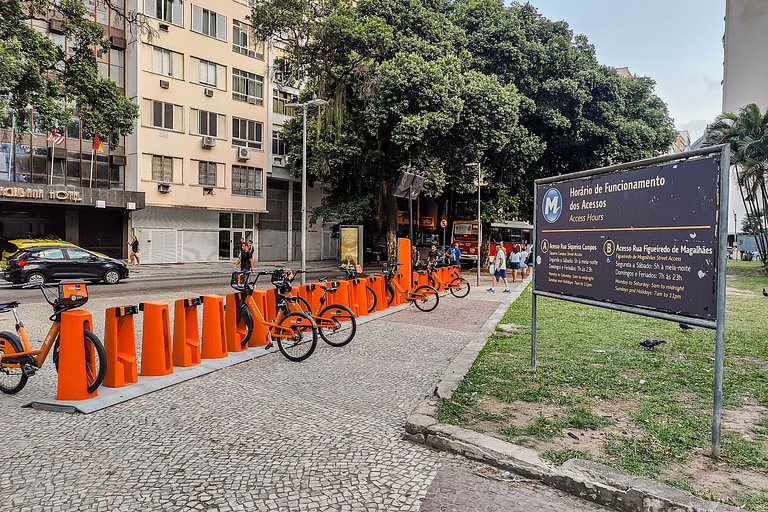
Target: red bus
{"points": [[510, 232]]}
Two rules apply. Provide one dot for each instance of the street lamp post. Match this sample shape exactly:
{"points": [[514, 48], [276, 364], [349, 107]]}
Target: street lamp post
{"points": [[314, 102], [479, 222]]}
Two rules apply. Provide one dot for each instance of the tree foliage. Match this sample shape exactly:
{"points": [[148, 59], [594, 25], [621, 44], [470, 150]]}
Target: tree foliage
{"points": [[747, 134], [438, 84], [36, 73]]}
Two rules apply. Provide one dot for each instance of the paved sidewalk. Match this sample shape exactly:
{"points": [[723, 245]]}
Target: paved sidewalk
{"points": [[325, 434], [185, 270]]}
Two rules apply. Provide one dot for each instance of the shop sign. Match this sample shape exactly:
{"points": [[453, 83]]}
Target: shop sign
{"points": [[43, 194], [427, 222]]}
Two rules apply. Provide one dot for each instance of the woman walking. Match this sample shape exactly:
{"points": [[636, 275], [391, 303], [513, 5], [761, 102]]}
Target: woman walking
{"points": [[135, 252]]}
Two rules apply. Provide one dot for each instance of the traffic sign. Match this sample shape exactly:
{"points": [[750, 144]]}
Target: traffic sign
{"points": [[443, 223]]}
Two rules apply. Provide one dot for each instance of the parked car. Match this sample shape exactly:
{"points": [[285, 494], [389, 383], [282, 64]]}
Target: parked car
{"points": [[10, 247], [57, 262]]}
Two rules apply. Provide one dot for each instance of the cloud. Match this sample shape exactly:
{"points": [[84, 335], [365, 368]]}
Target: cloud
{"points": [[695, 128], [711, 83]]}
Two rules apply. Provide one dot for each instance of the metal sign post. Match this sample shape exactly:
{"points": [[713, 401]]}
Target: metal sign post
{"points": [[646, 237]]}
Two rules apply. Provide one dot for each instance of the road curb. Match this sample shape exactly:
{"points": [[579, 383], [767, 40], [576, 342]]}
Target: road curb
{"points": [[587, 480]]}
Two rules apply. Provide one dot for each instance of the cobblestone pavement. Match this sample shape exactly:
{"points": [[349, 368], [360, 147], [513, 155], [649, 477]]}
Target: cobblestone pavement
{"points": [[464, 486], [267, 434]]}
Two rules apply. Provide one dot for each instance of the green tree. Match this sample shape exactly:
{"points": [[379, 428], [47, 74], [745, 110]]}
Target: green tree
{"points": [[746, 134], [751, 223], [36, 73]]}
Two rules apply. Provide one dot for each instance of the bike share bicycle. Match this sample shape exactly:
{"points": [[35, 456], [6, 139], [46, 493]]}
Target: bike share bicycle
{"points": [[18, 361], [457, 285], [295, 332], [424, 297], [336, 323]]}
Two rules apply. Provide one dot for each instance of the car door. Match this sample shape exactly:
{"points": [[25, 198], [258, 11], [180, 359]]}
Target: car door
{"points": [[51, 261], [82, 264]]}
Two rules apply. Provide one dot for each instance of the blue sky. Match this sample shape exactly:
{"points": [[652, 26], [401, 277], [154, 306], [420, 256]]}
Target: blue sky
{"points": [[678, 43]]}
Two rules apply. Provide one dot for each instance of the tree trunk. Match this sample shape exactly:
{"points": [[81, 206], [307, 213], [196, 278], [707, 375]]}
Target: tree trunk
{"points": [[388, 219]]}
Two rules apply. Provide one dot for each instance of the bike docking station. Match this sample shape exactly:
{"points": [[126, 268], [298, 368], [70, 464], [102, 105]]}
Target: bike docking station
{"points": [[170, 356]]}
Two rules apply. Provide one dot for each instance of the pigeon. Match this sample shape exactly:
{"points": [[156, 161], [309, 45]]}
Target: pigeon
{"points": [[685, 327], [765, 293], [650, 344]]}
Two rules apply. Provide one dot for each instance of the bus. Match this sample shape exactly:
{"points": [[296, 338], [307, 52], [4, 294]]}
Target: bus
{"points": [[510, 232]]}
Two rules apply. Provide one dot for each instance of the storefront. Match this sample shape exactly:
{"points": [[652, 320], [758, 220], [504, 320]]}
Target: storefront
{"points": [[96, 219]]}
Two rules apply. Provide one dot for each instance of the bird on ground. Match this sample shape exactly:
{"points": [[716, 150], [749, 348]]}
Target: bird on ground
{"points": [[685, 327], [651, 344], [765, 293]]}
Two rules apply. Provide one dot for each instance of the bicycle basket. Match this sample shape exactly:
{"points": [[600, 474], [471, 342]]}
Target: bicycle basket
{"points": [[73, 293], [239, 281], [280, 280]]}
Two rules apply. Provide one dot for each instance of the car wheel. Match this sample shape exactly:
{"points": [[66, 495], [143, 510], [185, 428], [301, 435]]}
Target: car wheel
{"points": [[112, 276], [35, 278]]}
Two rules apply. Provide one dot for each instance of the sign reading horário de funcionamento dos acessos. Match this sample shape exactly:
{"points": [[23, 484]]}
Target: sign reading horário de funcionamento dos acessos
{"points": [[644, 237]]}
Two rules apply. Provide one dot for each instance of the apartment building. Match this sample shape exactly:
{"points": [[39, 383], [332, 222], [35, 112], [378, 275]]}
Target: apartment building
{"points": [[207, 151]]}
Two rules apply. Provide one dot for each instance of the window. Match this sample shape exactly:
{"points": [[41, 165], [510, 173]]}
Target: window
{"points": [[207, 71], [162, 61], [206, 173], [162, 114], [207, 123], [78, 254], [279, 100], [246, 133], [117, 66], [247, 87], [246, 181], [166, 10], [48, 254], [279, 145], [162, 168], [209, 23], [242, 34]]}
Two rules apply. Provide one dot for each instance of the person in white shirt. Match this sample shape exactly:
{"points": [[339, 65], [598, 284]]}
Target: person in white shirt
{"points": [[500, 272], [523, 264], [514, 262]]}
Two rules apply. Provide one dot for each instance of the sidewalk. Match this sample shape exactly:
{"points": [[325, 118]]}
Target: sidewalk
{"points": [[186, 270]]}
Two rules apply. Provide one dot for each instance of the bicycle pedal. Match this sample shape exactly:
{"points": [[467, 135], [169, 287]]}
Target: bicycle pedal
{"points": [[29, 369], [268, 346]]}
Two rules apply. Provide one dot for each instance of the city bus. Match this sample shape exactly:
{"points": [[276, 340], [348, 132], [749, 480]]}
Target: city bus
{"points": [[510, 232]]}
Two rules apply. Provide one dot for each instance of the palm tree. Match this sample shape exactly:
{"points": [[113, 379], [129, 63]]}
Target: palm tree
{"points": [[747, 134]]}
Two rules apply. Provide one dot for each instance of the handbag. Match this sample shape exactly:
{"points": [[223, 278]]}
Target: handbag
{"points": [[492, 268]]}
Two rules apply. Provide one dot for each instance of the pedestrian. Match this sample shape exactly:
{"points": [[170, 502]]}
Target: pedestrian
{"points": [[246, 258], [514, 262], [500, 268], [432, 256], [454, 254], [529, 260], [524, 262], [414, 257], [135, 252]]}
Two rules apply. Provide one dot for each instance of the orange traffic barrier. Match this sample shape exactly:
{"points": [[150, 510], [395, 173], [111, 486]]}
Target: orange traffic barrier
{"points": [[313, 293], [260, 298], [214, 327], [270, 312], [235, 332], [73, 381], [421, 278], [156, 353], [120, 345], [186, 332], [377, 285], [404, 270], [358, 297], [340, 296]]}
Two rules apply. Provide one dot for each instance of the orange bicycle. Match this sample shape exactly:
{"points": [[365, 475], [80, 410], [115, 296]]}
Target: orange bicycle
{"points": [[423, 297], [18, 361], [457, 285], [295, 332]]}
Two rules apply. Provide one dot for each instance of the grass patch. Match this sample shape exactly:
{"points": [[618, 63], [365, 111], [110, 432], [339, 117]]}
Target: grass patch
{"points": [[558, 457], [654, 406]]}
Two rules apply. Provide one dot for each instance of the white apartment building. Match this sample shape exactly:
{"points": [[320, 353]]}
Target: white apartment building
{"points": [[206, 151]]}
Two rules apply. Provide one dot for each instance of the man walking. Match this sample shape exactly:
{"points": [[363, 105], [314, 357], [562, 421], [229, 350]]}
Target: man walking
{"points": [[500, 268]]}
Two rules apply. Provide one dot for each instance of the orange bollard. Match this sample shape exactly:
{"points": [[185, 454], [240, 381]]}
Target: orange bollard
{"points": [[404, 270], [186, 333], [214, 327], [340, 296], [235, 333], [314, 292], [120, 346], [72, 381], [421, 278], [359, 297], [156, 353], [270, 313], [377, 284]]}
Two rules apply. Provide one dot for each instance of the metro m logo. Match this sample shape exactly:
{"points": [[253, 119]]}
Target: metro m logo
{"points": [[552, 206]]}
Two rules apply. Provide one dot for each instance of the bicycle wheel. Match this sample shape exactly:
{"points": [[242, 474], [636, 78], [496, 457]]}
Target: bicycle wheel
{"points": [[245, 319], [304, 339], [301, 305], [344, 325], [95, 359], [390, 293], [12, 378], [371, 297], [460, 287], [429, 298]]}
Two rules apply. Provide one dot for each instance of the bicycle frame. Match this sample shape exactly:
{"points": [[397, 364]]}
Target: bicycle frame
{"points": [[275, 330], [408, 295], [42, 353], [446, 285]]}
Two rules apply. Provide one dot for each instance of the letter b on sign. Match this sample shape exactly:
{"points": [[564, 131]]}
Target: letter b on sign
{"points": [[552, 206]]}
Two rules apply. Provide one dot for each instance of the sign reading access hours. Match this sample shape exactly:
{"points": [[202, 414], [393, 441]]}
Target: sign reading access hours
{"points": [[645, 238]]}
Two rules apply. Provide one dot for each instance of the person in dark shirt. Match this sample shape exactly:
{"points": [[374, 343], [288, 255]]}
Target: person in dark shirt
{"points": [[246, 258], [135, 254], [432, 256]]}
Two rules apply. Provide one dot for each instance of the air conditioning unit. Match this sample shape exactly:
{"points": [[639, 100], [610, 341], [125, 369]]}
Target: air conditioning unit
{"points": [[252, 101], [208, 191], [243, 154], [208, 142], [288, 160], [55, 26], [165, 84], [208, 92], [117, 42], [164, 27], [163, 188], [118, 159], [277, 160]]}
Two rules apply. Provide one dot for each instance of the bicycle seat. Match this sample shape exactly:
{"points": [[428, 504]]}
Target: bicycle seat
{"points": [[9, 306], [329, 289]]}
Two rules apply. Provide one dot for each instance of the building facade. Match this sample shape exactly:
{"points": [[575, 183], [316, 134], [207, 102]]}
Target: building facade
{"points": [[61, 187]]}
